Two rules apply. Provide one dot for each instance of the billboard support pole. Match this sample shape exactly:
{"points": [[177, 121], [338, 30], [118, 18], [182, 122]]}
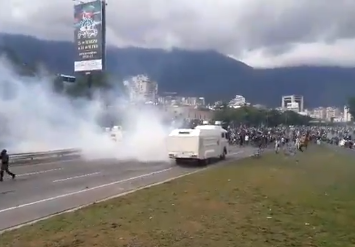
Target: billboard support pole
{"points": [[89, 74], [104, 4]]}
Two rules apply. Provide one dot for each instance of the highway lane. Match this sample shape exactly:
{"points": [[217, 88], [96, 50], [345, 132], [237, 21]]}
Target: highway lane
{"points": [[45, 189], [44, 160]]}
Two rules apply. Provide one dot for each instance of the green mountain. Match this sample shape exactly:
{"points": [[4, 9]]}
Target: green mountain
{"points": [[200, 73]]}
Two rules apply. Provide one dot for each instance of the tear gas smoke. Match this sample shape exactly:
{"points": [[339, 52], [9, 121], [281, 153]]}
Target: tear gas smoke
{"points": [[34, 118]]}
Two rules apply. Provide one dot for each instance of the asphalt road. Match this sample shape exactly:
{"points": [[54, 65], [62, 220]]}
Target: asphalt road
{"points": [[41, 190]]}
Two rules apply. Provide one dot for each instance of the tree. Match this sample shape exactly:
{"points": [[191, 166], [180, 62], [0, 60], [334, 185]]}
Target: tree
{"points": [[84, 85], [351, 105], [259, 117], [11, 55], [58, 84], [19, 66]]}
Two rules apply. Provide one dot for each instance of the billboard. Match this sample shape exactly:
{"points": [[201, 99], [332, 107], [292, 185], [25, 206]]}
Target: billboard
{"points": [[88, 36]]}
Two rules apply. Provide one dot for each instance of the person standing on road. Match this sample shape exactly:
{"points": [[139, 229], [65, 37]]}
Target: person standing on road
{"points": [[5, 165], [277, 145]]}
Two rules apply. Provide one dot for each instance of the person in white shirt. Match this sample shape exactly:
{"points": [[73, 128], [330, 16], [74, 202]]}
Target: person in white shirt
{"points": [[246, 139], [297, 142]]}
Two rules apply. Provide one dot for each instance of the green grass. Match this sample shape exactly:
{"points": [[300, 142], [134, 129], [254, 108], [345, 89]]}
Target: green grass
{"points": [[273, 201]]}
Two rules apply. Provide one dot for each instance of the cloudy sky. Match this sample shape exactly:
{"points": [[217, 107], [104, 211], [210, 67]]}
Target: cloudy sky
{"points": [[263, 33]]}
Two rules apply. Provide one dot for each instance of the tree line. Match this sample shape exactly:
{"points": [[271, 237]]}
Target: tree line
{"points": [[351, 106], [260, 117], [84, 85]]}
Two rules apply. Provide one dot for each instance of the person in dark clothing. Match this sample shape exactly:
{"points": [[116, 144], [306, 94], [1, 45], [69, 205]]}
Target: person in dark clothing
{"points": [[5, 165], [241, 140]]}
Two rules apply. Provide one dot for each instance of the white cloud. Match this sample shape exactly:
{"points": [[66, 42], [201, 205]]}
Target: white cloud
{"points": [[260, 32], [340, 53]]}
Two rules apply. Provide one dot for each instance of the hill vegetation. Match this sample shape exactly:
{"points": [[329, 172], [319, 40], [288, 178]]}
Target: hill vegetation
{"points": [[200, 73]]}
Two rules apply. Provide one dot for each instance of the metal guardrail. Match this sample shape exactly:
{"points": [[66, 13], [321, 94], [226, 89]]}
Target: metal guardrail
{"points": [[28, 157]]}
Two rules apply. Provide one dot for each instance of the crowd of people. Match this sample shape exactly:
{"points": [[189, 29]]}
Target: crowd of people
{"points": [[278, 137]]}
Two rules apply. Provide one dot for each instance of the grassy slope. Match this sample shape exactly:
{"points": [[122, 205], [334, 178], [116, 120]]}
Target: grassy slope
{"points": [[272, 201]]}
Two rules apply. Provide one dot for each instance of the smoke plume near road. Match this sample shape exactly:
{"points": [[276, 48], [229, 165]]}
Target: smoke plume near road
{"points": [[35, 118]]}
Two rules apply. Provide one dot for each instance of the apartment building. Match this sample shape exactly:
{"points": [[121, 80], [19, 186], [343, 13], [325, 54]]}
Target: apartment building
{"points": [[142, 89], [291, 101]]}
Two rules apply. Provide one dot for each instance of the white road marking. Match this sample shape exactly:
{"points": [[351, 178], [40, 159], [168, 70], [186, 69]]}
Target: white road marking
{"points": [[82, 191], [75, 177], [40, 172]]}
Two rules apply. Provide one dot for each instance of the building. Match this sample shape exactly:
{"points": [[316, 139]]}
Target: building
{"points": [[237, 102], [188, 112], [290, 100], [192, 101], [293, 106], [331, 113], [346, 114], [141, 89], [201, 101], [318, 113], [181, 101]]}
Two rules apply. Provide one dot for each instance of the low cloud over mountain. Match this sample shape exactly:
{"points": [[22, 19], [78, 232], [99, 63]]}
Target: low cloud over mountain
{"points": [[273, 33]]}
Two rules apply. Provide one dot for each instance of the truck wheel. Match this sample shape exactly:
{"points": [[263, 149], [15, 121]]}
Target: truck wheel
{"points": [[178, 161], [223, 156], [202, 162]]}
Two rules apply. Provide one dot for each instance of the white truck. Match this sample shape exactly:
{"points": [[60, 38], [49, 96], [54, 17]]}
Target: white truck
{"points": [[201, 144]]}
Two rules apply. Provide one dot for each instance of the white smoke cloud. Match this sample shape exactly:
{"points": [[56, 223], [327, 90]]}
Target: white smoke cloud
{"points": [[34, 118], [144, 134]]}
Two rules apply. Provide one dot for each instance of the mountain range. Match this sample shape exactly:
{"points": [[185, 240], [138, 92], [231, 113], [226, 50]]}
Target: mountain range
{"points": [[200, 73]]}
